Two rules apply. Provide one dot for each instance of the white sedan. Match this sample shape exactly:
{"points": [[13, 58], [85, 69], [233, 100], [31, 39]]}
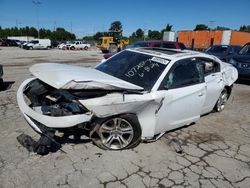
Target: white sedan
{"points": [[138, 94]]}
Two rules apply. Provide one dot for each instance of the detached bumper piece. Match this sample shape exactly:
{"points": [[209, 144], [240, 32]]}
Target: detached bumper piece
{"points": [[41, 147]]}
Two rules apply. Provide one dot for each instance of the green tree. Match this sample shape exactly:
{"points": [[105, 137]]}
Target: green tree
{"points": [[88, 38], [138, 34], [199, 27], [116, 26], [222, 28], [98, 35], [156, 35], [168, 28], [59, 34], [245, 28]]}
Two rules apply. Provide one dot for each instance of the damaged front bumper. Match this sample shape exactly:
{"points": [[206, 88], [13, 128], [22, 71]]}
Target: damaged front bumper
{"points": [[35, 117]]}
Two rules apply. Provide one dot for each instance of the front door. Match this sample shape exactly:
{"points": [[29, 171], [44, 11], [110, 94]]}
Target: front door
{"points": [[184, 94]]}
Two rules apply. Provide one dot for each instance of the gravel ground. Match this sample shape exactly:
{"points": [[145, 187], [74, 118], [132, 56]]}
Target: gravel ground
{"points": [[216, 150]]}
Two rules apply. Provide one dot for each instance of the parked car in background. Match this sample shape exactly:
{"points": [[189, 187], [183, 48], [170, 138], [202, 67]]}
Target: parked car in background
{"points": [[138, 94], [63, 45], [154, 43], [8, 42], [223, 52], [78, 45], [24, 44], [158, 44], [54, 44], [38, 44], [242, 62]]}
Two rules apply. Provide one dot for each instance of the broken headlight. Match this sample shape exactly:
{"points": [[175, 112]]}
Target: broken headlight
{"points": [[52, 102]]}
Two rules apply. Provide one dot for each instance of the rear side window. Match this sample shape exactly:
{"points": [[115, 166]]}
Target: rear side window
{"points": [[183, 73], [209, 65]]}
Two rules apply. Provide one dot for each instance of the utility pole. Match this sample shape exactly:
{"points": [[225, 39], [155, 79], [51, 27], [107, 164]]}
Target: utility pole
{"points": [[54, 26], [37, 3]]}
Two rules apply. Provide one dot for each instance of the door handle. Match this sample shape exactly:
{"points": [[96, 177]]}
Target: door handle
{"points": [[220, 80], [201, 94]]}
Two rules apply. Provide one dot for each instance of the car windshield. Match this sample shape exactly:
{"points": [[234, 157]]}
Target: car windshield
{"points": [[136, 68], [245, 50], [217, 49]]}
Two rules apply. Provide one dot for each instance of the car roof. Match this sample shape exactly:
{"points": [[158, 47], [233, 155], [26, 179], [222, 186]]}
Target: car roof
{"points": [[171, 53]]}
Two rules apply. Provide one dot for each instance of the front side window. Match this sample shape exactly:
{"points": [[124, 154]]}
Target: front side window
{"points": [[184, 73], [137, 68]]}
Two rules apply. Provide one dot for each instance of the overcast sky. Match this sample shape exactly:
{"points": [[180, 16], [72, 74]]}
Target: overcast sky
{"points": [[84, 17]]}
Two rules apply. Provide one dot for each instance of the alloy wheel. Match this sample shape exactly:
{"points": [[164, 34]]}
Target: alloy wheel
{"points": [[116, 133]]}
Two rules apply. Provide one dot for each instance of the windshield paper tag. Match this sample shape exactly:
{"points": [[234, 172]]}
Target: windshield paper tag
{"points": [[160, 60]]}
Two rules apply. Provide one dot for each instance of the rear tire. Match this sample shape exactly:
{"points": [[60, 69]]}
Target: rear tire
{"points": [[72, 48], [220, 104], [86, 48], [117, 132]]}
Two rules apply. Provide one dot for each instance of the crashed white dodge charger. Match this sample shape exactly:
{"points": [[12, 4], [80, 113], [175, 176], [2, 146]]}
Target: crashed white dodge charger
{"points": [[138, 94]]}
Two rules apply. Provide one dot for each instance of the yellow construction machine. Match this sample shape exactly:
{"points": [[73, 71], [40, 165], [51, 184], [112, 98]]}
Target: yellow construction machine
{"points": [[111, 44]]}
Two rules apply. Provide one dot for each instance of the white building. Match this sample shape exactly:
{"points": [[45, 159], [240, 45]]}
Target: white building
{"points": [[21, 38]]}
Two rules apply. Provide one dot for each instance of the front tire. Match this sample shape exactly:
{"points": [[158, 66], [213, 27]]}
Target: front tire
{"points": [[117, 133], [220, 104]]}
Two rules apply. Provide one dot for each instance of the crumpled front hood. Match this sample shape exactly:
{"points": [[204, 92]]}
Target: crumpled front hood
{"points": [[61, 76]]}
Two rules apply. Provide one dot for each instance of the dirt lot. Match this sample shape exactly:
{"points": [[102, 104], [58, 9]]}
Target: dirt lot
{"points": [[216, 150]]}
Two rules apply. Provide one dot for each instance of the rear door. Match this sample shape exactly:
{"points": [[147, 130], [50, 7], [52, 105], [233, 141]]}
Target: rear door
{"points": [[214, 83], [184, 94]]}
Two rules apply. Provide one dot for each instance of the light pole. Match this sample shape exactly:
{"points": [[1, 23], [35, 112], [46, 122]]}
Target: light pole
{"points": [[37, 3]]}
